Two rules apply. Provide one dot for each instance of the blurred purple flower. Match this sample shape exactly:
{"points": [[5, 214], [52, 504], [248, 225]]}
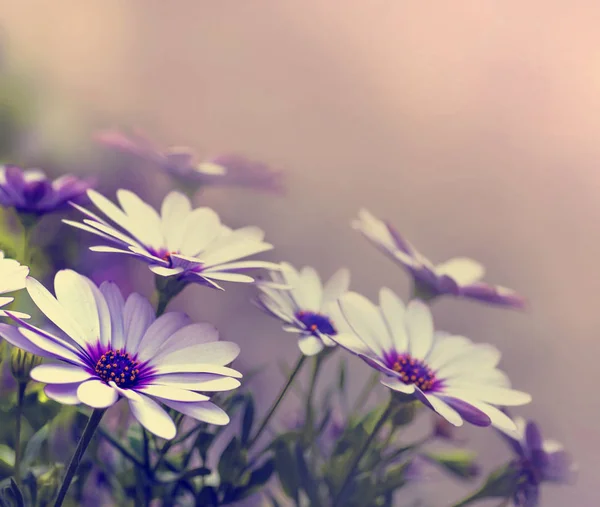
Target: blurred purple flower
{"points": [[536, 461], [32, 192], [459, 276], [228, 169]]}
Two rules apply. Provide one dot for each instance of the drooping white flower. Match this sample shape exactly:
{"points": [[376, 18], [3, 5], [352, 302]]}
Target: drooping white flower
{"points": [[305, 305], [12, 278], [459, 276], [113, 348], [450, 374], [189, 244]]}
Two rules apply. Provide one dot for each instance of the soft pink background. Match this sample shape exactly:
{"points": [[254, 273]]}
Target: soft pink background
{"points": [[473, 126]]}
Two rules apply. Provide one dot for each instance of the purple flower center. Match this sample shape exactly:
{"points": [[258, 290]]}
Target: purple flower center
{"points": [[316, 322], [413, 371], [118, 366]]}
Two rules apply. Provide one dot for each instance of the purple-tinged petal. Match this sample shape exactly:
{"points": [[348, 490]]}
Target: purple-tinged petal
{"points": [[65, 394], [533, 437], [468, 412], [494, 295]]}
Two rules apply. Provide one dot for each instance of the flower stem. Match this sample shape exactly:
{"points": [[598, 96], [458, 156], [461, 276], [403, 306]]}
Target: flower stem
{"points": [[361, 451], [20, 398], [308, 419], [273, 408], [82, 445]]}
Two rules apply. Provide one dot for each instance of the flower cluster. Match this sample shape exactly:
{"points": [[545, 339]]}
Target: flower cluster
{"points": [[92, 346]]}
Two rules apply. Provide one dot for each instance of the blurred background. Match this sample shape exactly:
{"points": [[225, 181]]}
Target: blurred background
{"points": [[472, 126]]}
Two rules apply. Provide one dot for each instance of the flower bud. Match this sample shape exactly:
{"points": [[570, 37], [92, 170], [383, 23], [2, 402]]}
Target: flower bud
{"points": [[21, 364]]}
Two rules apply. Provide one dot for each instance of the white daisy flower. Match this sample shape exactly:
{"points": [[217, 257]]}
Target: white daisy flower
{"points": [[453, 376], [12, 278], [191, 245], [305, 305], [114, 348]]}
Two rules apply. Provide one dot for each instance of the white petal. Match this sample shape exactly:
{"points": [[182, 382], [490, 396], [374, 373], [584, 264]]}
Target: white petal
{"points": [[186, 336], [446, 348], [197, 381], [115, 235], [219, 353], [397, 385], [59, 374], [462, 270], [53, 345], [109, 209], [202, 411], [445, 410], [351, 342], [97, 394], [201, 227], [419, 324], [63, 393], [74, 293], [159, 332], [164, 271], [366, 321], [227, 277], [193, 367], [234, 266], [171, 393], [478, 357], [116, 304], [336, 286], [309, 292], [138, 315], [55, 311], [12, 335], [111, 249], [175, 208], [144, 221], [237, 248], [490, 394], [310, 345], [152, 417], [394, 313]]}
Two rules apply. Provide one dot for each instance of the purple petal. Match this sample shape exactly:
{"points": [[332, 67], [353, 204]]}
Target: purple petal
{"points": [[533, 437], [468, 412], [558, 467], [494, 295]]}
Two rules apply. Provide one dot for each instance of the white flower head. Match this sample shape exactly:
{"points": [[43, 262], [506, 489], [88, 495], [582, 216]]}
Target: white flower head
{"points": [[305, 305], [455, 377], [189, 244], [111, 348], [12, 278]]}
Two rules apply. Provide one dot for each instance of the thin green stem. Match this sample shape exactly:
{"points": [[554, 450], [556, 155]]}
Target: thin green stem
{"points": [[125, 452], [20, 398], [273, 408], [309, 416], [361, 451], [82, 445], [147, 467]]}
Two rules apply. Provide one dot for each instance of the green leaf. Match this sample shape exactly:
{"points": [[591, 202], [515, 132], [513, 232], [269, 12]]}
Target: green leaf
{"points": [[232, 462], [395, 478], [459, 462], [34, 446], [342, 376], [167, 476], [7, 455], [307, 482], [257, 480], [247, 421], [203, 441], [10, 494], [286, 468]]}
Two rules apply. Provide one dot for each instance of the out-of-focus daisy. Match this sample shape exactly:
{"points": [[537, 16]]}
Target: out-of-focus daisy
{"points": [[191, 245], [12, 278], [32, 192], [536, 461], [181, 162], [112, 349], [459, 276], [450, 374], [305, 305]]}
